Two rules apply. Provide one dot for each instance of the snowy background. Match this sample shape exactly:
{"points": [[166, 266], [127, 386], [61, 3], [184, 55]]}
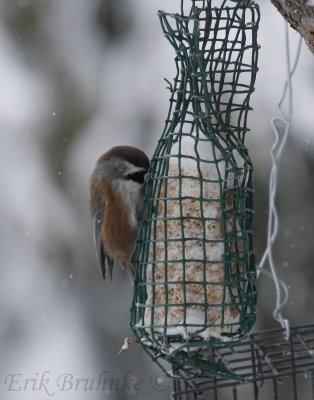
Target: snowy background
{"points": [[77, 77]]}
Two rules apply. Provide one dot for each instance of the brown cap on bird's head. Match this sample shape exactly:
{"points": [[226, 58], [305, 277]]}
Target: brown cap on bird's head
{"points": [[128, 153], [121, 162]]}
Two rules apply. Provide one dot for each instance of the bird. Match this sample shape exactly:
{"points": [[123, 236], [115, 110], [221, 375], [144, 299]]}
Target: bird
{"points": [[117, 189]]}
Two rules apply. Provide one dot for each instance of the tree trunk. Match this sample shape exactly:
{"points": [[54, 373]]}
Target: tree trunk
{"points": [[300, 15]]}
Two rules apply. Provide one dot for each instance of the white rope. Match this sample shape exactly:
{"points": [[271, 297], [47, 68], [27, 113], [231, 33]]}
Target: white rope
{"points": [[281, 128]]}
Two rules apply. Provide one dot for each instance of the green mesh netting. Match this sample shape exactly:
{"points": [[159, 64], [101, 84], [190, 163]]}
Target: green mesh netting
{"points": [[194, 261]]}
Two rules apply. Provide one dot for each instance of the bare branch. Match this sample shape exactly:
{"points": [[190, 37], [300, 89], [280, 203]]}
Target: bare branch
{"points": [[300, 15]]}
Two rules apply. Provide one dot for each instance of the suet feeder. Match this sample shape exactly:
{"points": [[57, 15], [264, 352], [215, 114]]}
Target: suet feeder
{"points": [[271, 366], [194, 261]]}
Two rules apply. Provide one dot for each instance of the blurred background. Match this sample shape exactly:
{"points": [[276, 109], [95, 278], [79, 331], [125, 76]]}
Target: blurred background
{"points": [[76, 78]]}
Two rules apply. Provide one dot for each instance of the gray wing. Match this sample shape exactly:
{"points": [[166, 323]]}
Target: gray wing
{"points": [[102, 256]]}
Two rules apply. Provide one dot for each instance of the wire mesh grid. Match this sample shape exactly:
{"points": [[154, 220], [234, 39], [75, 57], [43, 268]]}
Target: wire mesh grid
{"points": [[273, 368], [193, 261]]}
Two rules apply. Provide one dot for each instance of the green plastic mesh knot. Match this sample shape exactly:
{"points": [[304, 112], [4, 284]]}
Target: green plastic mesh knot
{"points": [[194, 260]]}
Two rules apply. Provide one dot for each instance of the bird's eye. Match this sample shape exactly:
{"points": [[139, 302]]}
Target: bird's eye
{"points": [[138, 176]]}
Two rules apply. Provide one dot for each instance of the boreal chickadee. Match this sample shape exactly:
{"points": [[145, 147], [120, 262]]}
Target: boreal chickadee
{"points": [[117, 188]]}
